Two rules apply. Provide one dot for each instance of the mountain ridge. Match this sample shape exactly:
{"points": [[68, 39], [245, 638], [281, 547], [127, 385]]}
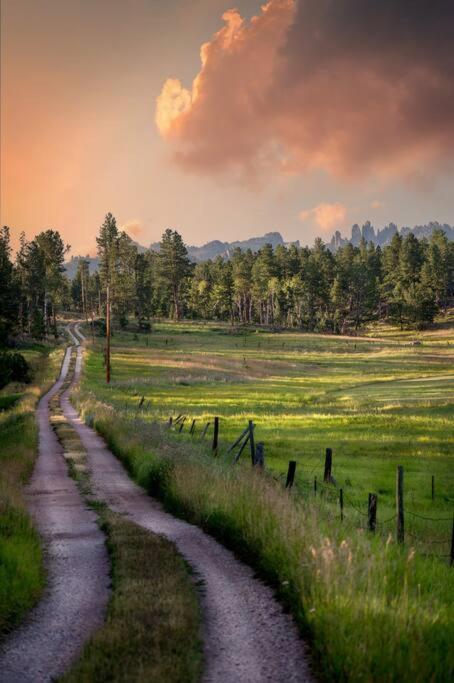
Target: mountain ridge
{"points": [[214, 248]]}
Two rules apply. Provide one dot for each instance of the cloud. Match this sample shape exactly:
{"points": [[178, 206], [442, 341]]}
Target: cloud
{"points": [[352, 87], [327, 217], [133, 228]]}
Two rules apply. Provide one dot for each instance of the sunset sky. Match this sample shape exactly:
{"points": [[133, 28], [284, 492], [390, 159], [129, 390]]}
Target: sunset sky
{"points": [[224, 123]]}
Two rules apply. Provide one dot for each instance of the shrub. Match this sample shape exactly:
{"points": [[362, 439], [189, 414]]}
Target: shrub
{"points": [[13, 368]]}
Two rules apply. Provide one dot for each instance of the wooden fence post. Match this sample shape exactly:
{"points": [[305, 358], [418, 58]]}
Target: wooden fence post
{"points": [[372, 512], [328, 465], [315, 486], [259, 460], [341, 503], [181, 425], [170, 422], [433, 487], [251, 441], [290, 474], [205, 429], [452, 544], [215, 436], [191, 431], [400, 504]]}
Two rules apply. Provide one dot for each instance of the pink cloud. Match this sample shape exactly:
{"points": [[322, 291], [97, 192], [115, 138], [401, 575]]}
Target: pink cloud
{"points": [[327, 217], [133, 228], [352, 88]]}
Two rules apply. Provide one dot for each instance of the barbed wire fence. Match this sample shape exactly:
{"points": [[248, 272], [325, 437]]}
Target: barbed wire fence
{"points": [[327, 491]]}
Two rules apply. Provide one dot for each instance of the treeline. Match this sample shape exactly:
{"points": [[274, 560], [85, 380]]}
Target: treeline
{"points": [[33, 288], [407, 282]]}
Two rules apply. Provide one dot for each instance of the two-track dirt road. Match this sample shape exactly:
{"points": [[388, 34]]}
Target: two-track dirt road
{"points": [[246, 634], [75, 600]]}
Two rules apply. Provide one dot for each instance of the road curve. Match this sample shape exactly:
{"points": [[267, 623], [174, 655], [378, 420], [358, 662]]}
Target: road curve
{"points": [[75, 599], [247, 636]]}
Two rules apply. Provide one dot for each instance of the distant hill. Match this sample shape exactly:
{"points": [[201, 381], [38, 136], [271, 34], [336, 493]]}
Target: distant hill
{"points": [[71, 266], [384, 236], [210, 250]]}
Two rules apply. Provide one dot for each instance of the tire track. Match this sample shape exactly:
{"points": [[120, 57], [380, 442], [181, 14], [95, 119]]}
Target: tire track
{"points": [[76, 560], [247, 636]]}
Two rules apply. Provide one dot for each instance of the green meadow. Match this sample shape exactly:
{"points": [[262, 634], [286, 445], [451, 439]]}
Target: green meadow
{"points": [[373, 610], [377, 401]]}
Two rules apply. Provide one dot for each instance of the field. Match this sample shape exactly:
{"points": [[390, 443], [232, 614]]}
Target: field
{"points": [[377, 402], [21, 571], [372, 609]]}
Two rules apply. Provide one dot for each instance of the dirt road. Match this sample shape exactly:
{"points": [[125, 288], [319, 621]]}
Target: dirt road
{"points": [[75, 599], [247, 636]]}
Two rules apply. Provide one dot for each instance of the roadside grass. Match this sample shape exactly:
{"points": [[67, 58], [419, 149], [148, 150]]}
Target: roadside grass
{"points": [[152, 628], [372, 610], [21, 569]]}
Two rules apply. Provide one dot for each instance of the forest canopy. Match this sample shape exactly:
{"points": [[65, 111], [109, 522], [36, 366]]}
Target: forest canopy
{"points": [[407, 282]]}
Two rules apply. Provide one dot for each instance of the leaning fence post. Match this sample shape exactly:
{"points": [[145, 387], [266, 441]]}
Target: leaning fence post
{"points": [[341, 503], [170, 422], [205, 429], [372, 512], [290, 474], [315, 486], [215, 435], [181, 425], [433, 487], [400, 504], [328, 464], [251, 441], [191, 431]]}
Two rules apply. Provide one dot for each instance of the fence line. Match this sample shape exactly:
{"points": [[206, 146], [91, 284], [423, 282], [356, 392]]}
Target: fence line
{"points": [[336, 495]]}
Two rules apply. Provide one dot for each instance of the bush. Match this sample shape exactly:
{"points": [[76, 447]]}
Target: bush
{"points": [[13, 368], [123, 321], [144, 326], [100, 327]]}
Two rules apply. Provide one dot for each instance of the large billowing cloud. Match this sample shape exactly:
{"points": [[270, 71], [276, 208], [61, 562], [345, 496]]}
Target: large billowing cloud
{"points": [[347, 86]]}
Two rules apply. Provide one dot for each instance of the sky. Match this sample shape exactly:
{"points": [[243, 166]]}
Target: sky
{"points": [[225, 122]]}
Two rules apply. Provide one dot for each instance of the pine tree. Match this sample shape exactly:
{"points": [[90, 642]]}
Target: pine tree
{"points": [[174, 268], [8, 289]]}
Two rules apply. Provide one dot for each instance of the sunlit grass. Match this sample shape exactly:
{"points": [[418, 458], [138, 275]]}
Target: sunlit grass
{"points": [[375, 403], [374, 611]]}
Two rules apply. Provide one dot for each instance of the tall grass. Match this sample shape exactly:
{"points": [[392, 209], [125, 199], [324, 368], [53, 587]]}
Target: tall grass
{"points": [[21, 570], [373, 611]]}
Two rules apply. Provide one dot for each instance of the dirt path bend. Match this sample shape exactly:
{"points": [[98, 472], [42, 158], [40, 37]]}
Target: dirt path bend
{"points": [[247, 636], [75, 599]]}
